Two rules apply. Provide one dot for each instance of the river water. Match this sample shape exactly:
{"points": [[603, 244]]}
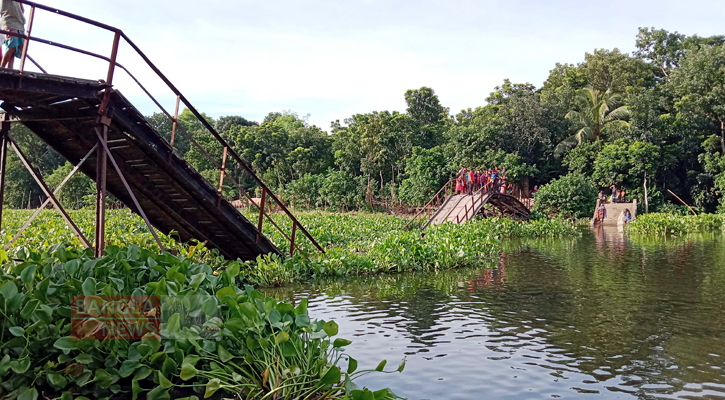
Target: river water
{"points": [[604, 315]]}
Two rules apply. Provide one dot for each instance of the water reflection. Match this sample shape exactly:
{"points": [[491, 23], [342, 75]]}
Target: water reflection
{"points": [[604, 314]]}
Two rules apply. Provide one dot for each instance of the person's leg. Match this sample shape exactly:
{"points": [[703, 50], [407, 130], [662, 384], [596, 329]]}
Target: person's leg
{"points": [[8, 58]]}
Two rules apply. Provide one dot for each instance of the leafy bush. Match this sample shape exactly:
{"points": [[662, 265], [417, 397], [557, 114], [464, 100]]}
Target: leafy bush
{"points": [[245, 344], [672, 224], [571, 196]]}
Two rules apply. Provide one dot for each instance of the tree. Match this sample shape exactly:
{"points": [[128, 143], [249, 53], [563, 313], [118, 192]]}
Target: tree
{"points": [[571, 196], [73, 194], [665, 49], [427, 117], [593, 117], [427, 172], [616, 72], [700, 88]]}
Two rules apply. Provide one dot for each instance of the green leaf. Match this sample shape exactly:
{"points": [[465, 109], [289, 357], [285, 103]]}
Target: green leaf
{"points": [[351, 365], [340, 343], [232, 271], [26, 393], [17, 331], [227, 291], [165, 383], [364, 394], [170, 367], [68, 396], [135, 389], [209, 306], [197, 279], [128, 367], [30, 308], [188, 371], [89, 286], [281, 337], [8, 290], [191, 359], [332, 376], [383, 394], [224, 355], [103, 378], [28, 274], [401, 367], [381, 365], [174, 323], [248, 310], [211, 387], [66, 344], [4, 365], [158, 393], [330, 328], [56, 380], [301, 308], [20, 366], [302, 320]]}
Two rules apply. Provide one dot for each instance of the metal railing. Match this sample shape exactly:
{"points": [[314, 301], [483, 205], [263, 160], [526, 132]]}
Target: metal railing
{"points": [[228, 152], [440, 197]]}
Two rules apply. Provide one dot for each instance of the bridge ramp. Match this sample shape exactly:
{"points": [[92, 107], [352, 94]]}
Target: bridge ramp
{"points": [[175, 197]]}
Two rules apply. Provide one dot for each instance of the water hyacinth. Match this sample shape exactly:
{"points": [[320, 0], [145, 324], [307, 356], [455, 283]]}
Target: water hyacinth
{"points": [[672, 224], [214, 335]]}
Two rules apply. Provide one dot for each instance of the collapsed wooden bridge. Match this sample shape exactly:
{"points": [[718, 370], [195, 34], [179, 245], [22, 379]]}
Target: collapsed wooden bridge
{"points": [[93, 125], [446, 206]]}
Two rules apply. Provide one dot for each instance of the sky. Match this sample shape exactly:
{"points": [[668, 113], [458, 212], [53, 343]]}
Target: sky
{"points": [[329, 60]]}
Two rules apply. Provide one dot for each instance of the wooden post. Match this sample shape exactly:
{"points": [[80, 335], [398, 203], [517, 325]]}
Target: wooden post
{"points": [[221, 177], [292, 239], [176, 118], [646, 202], [261, 214], [27, 41], [112, 62]]}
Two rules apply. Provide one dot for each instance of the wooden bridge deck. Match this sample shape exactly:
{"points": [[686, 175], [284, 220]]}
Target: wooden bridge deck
{"points": [[459, 208], [63, 111]]}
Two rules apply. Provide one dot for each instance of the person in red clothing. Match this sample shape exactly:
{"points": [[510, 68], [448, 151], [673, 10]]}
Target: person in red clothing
{"points": [[459, 185], [470, 182]]}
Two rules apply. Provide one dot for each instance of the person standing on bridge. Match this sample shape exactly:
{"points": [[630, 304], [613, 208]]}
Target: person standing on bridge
{"points": [[470, 182], [13, 21]]}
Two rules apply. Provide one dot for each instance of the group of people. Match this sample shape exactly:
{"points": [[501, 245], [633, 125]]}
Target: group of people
{"points": [[624, 217], [12, 20], [618, 196], [469, 181]]}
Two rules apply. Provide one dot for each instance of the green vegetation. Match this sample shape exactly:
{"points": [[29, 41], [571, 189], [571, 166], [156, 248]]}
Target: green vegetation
{"points": [[223, 339], [571, 196], [356, 244], [673, 224]]}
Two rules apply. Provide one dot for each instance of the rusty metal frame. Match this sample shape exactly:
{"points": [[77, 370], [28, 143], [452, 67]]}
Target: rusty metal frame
{"points": [[228, 151], [4, 131], [128, 188], [47, 200], [39, 180]]}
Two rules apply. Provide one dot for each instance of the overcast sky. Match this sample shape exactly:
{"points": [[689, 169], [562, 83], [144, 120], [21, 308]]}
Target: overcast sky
{"points": [[332, 59]]}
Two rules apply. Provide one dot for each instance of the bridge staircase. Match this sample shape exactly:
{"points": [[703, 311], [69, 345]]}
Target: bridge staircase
{"points": [[96, 128], [447, 206]]}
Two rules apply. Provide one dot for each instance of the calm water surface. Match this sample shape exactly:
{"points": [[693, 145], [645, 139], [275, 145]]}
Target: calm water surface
{"points": [[600, 316]]}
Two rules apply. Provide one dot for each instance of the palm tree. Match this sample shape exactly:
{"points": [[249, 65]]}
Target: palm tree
{"points": [[593, 116]]}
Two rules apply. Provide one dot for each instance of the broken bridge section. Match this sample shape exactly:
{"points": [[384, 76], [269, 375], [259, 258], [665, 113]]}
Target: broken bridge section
{"points": [[64, 113]]}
